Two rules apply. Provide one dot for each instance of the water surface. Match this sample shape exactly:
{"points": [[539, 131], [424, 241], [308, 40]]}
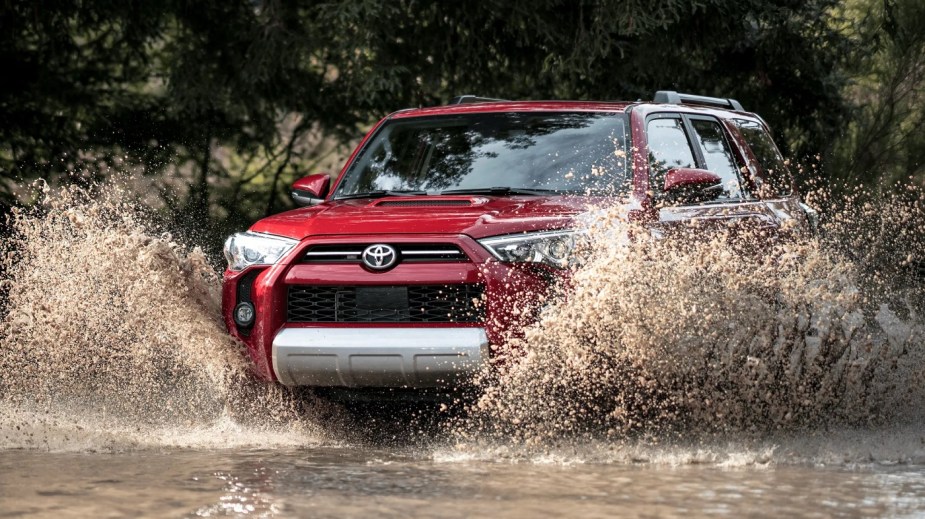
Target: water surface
{"points": [[363, 482]]}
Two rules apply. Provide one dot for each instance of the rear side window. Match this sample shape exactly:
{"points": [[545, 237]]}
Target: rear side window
{"points": [[776, 180], [717, 154]]}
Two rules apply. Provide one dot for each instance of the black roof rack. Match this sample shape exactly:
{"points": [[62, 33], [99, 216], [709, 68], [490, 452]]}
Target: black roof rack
{"points": [[674, 98], [469, 98]]}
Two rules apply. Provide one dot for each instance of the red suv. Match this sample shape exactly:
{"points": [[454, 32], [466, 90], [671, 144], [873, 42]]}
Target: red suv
{"points": [[448, 222]]}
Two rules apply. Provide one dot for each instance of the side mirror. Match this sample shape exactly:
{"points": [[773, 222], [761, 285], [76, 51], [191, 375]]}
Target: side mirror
{"points": [[311, 190], [690, 185]]}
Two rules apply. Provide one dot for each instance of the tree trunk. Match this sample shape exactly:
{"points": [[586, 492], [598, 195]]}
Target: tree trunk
{"points": [[199, 193]]}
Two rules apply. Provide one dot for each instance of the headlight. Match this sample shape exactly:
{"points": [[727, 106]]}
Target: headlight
{"points": [[250, 248], [550, 247]]}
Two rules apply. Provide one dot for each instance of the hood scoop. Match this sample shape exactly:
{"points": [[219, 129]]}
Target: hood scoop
{"points": [[424, 202]]}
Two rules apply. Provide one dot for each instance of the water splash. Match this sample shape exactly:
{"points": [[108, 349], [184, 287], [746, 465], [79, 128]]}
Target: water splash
{"points": [[675, 350], [113, 332], [687, 337]]}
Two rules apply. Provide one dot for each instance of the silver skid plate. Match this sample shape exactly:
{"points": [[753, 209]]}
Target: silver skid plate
{"points": [[378, 357]]}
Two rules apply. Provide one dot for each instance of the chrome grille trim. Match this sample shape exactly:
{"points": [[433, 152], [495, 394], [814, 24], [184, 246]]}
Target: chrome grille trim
{"points": [[408, 252]]}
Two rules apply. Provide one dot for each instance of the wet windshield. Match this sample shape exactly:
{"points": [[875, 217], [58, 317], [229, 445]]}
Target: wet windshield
{"points": [[495, 153]]}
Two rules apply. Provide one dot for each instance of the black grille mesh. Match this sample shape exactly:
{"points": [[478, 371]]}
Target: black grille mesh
{"points": [[425, 304]]}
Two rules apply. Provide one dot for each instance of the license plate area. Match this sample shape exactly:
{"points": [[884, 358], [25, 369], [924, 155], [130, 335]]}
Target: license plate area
{"points": [[382, 298], [373, 304]]}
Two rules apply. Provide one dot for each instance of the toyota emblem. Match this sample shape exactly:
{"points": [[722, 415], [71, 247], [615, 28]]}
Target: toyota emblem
{"points": [[379, 256]]}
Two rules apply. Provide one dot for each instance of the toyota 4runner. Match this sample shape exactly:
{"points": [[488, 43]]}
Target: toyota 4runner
{"points": [[447, 221]]}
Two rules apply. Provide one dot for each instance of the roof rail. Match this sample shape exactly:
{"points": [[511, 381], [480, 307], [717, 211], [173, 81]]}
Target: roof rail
{"points": [[674, 98], [469, 98]]}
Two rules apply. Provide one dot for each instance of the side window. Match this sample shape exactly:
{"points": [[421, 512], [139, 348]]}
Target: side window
{"points": [[668, 148], [776, 179], [717, 155]]}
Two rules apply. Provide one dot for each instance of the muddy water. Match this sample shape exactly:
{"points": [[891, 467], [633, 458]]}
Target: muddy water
{"points": [[689, 377], [364, 482]]}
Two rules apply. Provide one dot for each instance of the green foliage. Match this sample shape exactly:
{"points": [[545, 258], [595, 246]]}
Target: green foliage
{"points": [[885, 139], [781, 57], [67, 67]]}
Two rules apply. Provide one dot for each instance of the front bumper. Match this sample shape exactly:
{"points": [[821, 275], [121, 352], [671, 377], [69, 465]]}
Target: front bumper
{"points": [[378, 357], [287, 350]]}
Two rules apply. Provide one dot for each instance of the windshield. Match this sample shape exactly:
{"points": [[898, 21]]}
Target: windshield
{"points": [[580, 153]]}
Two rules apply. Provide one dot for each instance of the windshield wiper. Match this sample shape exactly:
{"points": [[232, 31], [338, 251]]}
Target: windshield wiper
{"points": [[501, 191], [381, 193]]}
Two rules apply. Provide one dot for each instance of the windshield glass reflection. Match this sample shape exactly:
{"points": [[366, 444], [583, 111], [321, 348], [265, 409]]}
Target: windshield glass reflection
{"points": [[581, 153]]}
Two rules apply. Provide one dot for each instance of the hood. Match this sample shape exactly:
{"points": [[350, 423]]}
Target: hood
{"points": [[476, 216]]}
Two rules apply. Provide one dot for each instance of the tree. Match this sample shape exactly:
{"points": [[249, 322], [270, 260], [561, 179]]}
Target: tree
{"points": [[781, 58], [231, 101], [885, 139]]}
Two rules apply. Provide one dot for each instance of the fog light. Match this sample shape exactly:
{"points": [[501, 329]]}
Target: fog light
{"points": [[244, 314]]}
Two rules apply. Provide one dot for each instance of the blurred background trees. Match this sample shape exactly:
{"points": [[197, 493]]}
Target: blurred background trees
{"points": [[883, 139], [216, 107]]}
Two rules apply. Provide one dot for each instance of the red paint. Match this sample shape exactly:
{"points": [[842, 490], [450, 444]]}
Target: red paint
{"points": [[315, 185], [492, 216], [680, 178]]}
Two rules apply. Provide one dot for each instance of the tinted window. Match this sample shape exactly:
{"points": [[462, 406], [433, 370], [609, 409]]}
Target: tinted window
{"points": [[566, 152], [668, 148], [776, 176], [718, 155]]}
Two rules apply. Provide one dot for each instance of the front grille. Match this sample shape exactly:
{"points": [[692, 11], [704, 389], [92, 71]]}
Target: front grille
{"points": [[407, 253], [386, 304]]}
